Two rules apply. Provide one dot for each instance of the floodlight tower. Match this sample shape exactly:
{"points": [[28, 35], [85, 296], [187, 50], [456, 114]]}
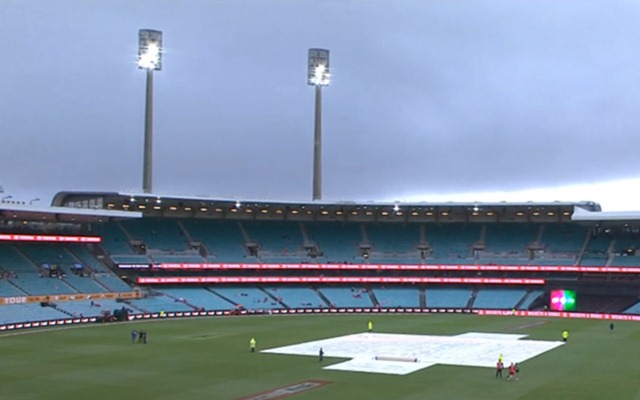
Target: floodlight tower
{"points": [[149, 59], [318, 75]]}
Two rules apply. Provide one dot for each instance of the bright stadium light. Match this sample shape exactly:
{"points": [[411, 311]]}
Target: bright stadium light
{"points": [[150, 50], [318, 75], [149, 59]]}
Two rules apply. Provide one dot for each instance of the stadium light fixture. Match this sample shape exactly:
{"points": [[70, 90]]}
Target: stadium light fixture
{"points": [[149, 59], [318, 75]]}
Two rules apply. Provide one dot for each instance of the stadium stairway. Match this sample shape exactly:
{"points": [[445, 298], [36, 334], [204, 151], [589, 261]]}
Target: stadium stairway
{"points": [[26, 257], [274, 298], [222, 296], [323, 297], [374, 299], [472, 298], [55, 307], [522, 300], [183, 300]]}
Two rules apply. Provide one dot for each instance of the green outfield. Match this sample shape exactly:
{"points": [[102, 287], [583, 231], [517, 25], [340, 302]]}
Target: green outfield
{"points": [[209, 358]]}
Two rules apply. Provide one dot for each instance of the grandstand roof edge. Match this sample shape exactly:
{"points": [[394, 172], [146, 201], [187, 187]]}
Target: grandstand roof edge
{"points": [[59, 200], [67, 211], [580, 214]]}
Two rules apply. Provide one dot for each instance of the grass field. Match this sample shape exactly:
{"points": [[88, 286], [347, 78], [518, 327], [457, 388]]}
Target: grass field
{"points": [[209, 358]]}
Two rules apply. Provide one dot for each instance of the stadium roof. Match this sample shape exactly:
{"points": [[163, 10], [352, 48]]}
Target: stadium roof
{"points": [[26, 212], [581, 214], [207, 207]]}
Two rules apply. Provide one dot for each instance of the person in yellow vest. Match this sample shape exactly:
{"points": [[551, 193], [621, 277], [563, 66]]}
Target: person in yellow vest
{"points": [[500, 358], [565, 335], [252, 345], [370, 326]]}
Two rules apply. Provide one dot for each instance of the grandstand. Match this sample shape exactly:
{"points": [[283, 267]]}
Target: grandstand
{"points": [[185, 255]]}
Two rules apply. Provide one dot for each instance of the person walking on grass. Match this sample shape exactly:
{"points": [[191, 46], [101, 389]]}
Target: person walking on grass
{"points": [[512, 372], [499, 367]]}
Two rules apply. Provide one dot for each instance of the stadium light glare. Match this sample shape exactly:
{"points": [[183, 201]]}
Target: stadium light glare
{"points": [[150, 49], [321, 76], [149, 58]]}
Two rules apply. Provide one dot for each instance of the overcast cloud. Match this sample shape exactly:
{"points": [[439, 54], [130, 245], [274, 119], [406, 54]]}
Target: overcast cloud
{"points": [[430, 100]]}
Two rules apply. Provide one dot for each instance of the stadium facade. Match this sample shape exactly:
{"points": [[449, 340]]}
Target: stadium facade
{"points": [[98, 256]]}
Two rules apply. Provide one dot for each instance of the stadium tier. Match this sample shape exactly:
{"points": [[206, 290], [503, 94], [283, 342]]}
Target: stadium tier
{"points": [[192, 256]]}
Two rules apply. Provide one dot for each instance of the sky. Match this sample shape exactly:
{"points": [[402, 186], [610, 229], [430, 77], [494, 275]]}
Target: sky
{"points": [[469, 100]]}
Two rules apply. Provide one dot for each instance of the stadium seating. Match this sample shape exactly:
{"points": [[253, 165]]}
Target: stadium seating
{"points": [[87, 308], [393, 239], [9, 290], [337, 242], [30, 312], [454, 297], [158, 303], [509, 239], [564, 238], [297, 297], [635, 309], [34, 284], [223, 239], [276, 239], [498, 298], [347, 296], [397, 296], [11, 259], [114, 240], [160, 234], [198, 297], [452, 244], [530, 298], [249, 298], [249, 241]]}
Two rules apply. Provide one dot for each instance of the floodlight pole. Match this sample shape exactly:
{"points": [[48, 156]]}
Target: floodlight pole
{"points": [[149, 59], [147, 177], [318, 75], [317, 147]]}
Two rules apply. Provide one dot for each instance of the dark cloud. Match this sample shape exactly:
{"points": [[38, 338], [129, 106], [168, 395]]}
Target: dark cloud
{"points": [[427, 97]]}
